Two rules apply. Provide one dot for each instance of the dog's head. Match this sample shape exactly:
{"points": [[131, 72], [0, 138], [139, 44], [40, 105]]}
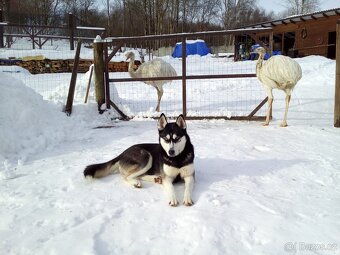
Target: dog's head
{"points": [[172, 136]]}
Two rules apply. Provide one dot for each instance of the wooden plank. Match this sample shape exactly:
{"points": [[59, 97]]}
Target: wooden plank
{"points": [[88, 85], [115, 50], [70, 97], [124, 117]]}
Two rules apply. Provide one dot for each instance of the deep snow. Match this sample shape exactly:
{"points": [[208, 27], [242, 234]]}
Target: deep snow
{"points": [[259, 190]]}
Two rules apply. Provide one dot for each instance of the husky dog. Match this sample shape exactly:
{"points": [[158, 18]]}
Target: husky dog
{"points": [[165, 163]]}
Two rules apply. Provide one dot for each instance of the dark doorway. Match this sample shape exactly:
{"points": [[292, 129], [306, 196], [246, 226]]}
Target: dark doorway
{"points": [[289, 44], [331, 45]]}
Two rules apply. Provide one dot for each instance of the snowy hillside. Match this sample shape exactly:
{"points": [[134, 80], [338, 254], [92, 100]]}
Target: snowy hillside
{"points": [[259, 190]]}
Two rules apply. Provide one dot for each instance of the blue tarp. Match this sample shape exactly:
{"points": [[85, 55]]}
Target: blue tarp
{"points": [[197, 47], [266, 56]]}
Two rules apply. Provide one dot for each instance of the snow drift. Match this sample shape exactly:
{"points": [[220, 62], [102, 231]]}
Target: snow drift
{"points": [[28, 123], [258, 190]]}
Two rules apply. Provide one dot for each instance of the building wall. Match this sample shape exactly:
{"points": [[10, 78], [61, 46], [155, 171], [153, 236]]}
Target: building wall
{"points": [[311, 36]]}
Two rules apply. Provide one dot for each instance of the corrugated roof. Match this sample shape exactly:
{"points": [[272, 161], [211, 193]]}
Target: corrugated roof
{"points": [[296, 18]]}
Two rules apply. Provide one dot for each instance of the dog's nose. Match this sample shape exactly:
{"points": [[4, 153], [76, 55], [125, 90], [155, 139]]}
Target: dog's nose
{"points": [[171, 152]]}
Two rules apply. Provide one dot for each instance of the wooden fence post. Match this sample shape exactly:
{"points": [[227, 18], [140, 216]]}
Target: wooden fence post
{"points": [[71, 26], [271, 43], [70, 96], [99, 69], [337, 79]]}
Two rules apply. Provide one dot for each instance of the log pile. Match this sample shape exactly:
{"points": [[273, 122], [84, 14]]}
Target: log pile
{"points": [[63, 65]]}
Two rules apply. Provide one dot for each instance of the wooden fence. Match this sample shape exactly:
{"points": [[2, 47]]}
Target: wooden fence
{"points": [[40, 34]]}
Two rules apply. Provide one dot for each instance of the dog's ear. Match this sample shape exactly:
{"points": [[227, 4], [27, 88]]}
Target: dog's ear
{"points": [[162, 122], [181, 122]]}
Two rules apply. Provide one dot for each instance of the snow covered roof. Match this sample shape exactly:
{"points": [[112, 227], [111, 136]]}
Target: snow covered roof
{"points": [[297, 18]]}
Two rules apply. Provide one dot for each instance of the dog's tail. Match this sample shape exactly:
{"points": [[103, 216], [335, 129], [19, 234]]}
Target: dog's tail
{"points": [[102, 169]]}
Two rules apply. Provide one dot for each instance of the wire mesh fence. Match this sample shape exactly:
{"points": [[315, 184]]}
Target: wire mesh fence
{"points": [[208, 91], [208, 94], [205, 97], [51, 85]]}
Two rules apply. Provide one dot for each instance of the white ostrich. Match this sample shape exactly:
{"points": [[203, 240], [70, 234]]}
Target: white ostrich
{"points": [[278, 72], [154, 68]]}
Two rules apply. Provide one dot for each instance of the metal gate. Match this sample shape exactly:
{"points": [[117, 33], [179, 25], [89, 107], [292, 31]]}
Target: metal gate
{"points": [[206, 87]]}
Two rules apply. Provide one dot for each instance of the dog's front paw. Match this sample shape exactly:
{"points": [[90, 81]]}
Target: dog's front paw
{"points": [[137, 185], [173, 202], [188, 202], [158, 180]]}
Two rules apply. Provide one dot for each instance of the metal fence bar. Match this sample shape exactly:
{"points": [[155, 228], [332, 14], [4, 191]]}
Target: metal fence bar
{"points": [[187, 77], [107, 83], [337, 79], [1, 30], [184, 73]]}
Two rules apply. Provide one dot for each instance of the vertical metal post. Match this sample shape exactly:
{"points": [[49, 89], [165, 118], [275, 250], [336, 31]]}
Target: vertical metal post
{"points": [[184, 74], [337, 79], [107, 83], [71, 30], [1, 31]]}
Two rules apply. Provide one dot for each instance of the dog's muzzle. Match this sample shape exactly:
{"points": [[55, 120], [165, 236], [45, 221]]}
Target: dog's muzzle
{"points": [[171, 153]]}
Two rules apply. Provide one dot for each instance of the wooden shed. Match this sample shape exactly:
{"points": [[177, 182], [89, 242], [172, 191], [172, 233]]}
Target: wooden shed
{"points": [[298, 35]]}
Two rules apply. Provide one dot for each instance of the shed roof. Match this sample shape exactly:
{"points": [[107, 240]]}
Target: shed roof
{"points": [[296, 18]]}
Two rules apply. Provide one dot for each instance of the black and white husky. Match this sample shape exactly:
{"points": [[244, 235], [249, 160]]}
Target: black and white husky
{"points": [[166, 162]]}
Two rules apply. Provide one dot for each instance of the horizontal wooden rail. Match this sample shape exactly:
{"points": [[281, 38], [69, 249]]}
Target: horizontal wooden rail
{"points": [[51, 27]]}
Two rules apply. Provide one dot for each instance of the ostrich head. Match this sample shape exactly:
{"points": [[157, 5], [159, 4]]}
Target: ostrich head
{"points": [[261, 51], [130, 55]]}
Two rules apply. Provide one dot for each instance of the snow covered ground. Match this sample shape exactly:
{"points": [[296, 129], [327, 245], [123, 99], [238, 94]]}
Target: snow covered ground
{"points": [[259, 190]]}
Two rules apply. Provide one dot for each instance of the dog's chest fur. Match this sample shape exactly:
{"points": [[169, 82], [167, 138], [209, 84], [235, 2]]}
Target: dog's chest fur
{"points": [[184, 171]]}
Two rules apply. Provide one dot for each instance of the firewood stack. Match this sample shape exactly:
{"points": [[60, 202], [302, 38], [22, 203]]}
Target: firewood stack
{"points": [[63, 65]]}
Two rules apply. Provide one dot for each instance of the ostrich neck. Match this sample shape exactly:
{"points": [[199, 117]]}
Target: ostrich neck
{"points": [[259, 63], [132, 72]]}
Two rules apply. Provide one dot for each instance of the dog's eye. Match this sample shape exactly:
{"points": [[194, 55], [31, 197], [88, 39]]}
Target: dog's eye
{"points": [[166, 140], [177, 139]]}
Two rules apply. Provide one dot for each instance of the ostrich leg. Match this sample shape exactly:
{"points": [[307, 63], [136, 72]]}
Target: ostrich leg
{"points": [[269, 111], [159, 94], [284, 122]]}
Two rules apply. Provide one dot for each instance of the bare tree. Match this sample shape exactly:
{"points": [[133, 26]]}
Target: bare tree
{"points": [[80, 8], [295, 7], [5, 5], [238, 13]]}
